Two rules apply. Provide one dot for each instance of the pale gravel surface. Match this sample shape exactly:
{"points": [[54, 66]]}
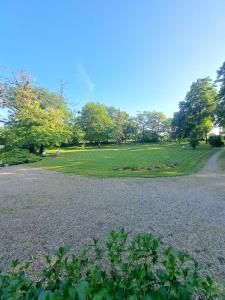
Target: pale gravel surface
{"points": [[41, 210]]}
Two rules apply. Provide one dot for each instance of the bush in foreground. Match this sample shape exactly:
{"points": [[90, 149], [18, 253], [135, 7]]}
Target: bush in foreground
{"points": [[142, 268], [216, 141], [17, 156]]}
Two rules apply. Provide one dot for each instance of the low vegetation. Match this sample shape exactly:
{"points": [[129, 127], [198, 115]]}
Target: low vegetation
{"points": [[118, 268], [17, 156], [216, 141], [149, 160]]}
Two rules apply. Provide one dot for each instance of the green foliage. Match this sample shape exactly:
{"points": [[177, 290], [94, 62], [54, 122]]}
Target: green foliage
{"points": [[197, 111], [194, 139], [36, 117], [152, 126], [17, 156], [142, 268], [216, 141], [95, 122], [221, 104], [2, 136]]}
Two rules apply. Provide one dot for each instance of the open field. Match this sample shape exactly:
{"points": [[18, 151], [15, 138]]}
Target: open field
{"points": [[149, 160]]}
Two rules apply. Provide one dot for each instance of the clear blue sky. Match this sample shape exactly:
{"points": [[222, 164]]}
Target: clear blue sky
{"points": [[133, 54]]}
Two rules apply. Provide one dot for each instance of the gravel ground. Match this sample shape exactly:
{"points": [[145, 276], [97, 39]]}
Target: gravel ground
{"points": [[41, 210]]}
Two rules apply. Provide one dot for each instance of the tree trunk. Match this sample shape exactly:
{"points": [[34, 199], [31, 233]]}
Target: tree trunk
{"points": [[42, 148], [206, 138], [32, 149]]}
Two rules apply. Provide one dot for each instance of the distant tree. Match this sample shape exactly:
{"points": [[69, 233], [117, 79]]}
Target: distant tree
{"points": [[152, 126], [77, 134], [119, 126], [119, 119], [142, 126], [130, 129], [221, 95], [95, 122]]}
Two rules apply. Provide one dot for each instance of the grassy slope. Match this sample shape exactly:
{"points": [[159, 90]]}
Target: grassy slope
{"points": [[103, 162]]}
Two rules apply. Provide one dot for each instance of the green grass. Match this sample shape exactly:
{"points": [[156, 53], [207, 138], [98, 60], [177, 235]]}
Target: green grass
{"points": [[221, 162], [129, 160]]}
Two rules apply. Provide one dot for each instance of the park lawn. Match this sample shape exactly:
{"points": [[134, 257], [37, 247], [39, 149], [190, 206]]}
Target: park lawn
{"points": [[128, 160]]}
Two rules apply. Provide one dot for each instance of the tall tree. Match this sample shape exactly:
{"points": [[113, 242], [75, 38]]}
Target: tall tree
{"points": [[36, 117], [130, 129], [95, 122], [178, 126], [197, 111], [221, 95]]}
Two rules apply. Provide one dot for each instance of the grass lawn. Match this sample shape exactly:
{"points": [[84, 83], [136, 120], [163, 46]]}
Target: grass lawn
{"points": [[221, 162], [149, 160]]}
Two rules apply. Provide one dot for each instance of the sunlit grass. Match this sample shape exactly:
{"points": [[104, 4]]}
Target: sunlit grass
{"points": [[109, 160]]}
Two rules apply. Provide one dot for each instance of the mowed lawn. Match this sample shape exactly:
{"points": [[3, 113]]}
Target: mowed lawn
{"points": [[149, 160]]}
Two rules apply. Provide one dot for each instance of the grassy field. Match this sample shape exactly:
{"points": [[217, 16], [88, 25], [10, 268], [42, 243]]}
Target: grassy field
{"points": [[128, 160]]}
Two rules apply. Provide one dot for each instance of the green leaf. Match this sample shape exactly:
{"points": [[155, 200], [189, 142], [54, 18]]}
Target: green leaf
{"points": [[82, 290]]}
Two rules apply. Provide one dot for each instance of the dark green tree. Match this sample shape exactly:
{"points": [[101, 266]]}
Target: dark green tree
{"points": [[221, 95], [197, 111]]}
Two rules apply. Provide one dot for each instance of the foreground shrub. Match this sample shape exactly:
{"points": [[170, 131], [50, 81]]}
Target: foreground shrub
{"points": [[17, 156], [115, 269], [216, 140]]}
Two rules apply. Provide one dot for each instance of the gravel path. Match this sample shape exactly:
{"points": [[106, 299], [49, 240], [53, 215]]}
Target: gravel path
{"points": [[41, 210]]}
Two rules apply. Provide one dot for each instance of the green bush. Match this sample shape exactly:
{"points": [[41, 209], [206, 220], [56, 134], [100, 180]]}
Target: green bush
{"points": [[119, 268], [216, 140], [194, 140], [17, 156]]}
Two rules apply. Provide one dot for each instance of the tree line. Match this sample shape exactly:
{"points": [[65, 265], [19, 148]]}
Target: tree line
{"points": [[38, 118]]}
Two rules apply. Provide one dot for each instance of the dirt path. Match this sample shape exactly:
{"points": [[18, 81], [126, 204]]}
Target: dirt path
{"points": [[41, 210], [211, 166]]}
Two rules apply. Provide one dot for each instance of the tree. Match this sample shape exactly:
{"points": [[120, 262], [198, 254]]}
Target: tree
{"points": [[77, 134], [36, 118], [142, 126], [197, 111], [152, 126], [119, 127], [119, 119], [95, 122], [221, 95], [130, 129], [178, 126], [194, 139]]}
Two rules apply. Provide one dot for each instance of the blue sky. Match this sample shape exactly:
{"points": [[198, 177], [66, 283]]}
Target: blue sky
{"points": [[133, 54]]}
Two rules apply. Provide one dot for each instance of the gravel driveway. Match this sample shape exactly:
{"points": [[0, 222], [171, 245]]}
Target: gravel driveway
{"points": [[41, 210]]}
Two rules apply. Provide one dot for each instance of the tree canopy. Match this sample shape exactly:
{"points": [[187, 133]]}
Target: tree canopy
{"points": [[221, 95], [197, 111], [36, 117]]}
